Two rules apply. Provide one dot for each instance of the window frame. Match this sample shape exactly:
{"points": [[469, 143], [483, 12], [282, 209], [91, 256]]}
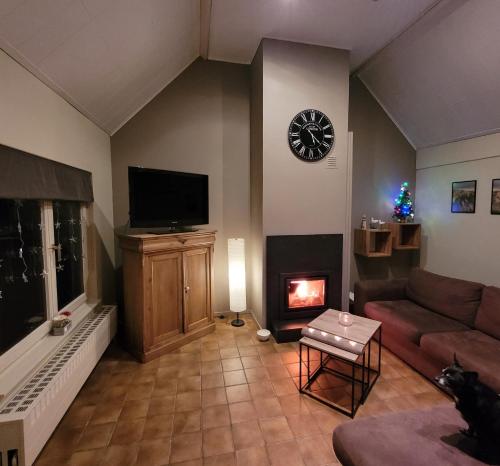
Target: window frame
{"points": [[76, 307]]}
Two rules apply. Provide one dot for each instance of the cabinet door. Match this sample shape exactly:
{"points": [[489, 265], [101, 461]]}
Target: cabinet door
{"points": [[164, 316], [197, 295]]}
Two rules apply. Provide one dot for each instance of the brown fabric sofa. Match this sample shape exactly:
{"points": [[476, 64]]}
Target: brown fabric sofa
{"points": [[428, 318], [428, 437]]}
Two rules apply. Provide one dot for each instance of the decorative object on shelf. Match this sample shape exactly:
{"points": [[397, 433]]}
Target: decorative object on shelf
{"points": [[495, 197], [345, 319], [364, 224], [263, 334], [463, 197], [237, 278], [60, 325], [374, 223], [403, 205], [311, 135]]}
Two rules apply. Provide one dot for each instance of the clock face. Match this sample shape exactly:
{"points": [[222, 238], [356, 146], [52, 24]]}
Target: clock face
{"points": [[311, 135]]}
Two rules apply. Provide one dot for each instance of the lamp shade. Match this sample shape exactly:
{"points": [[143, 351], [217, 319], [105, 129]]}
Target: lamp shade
{"points": [[237, 278]]}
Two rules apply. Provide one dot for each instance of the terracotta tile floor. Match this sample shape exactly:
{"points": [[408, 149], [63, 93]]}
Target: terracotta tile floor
{"points": [[225, 399]]}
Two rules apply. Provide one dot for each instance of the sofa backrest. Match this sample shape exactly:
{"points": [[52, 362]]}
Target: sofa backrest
{"points": [[488, 314], [451, 297]]}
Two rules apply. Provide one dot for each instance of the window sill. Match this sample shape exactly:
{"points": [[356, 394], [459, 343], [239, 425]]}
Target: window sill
{"points": [[24, 366]]}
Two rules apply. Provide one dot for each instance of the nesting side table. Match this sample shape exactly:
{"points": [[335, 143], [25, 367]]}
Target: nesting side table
{"points": [[352, 346]]}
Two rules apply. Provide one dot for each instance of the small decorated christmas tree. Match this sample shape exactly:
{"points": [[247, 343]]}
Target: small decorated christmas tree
{"points": [[403, 207]]}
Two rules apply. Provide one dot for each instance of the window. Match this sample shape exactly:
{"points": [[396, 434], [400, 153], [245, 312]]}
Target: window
{"points": [[42, 269], [69, 257], [22, 283]]}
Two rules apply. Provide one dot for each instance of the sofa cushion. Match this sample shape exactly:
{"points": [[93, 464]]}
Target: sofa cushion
{"points": [[488, 314], [427, 437], [458, 299], [410, 320], [475, 351]]}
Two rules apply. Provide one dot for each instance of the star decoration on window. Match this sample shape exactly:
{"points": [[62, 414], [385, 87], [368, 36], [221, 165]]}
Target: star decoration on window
{"points": [[71, 221], [72, 239], [57, 225], [60, 268]]}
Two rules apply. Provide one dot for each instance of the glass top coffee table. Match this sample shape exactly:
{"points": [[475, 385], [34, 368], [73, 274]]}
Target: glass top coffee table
{"points": [[345, 369]]}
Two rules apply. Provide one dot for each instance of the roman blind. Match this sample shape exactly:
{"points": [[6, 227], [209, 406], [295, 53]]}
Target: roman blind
{"points": [[27, 176]]}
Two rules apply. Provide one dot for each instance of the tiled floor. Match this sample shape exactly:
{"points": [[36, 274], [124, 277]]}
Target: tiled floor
{"points": [[223, 400]]}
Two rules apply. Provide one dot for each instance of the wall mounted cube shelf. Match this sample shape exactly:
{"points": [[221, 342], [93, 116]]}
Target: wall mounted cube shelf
{"points": [[405, 236], [373, 243]]}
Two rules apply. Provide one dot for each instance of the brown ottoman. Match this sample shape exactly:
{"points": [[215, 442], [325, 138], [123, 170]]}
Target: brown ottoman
{"points": [[427, 437]]}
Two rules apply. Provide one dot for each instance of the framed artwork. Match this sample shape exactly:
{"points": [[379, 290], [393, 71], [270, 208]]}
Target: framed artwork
{"points": [[495, 197], [463, 197]]}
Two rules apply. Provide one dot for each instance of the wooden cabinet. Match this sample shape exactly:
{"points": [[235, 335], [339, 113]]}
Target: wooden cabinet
{"points": [[168, 290]]}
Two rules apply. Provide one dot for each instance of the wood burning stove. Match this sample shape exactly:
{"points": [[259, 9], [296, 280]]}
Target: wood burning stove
{"points": [[303, 294], [304, 278]]}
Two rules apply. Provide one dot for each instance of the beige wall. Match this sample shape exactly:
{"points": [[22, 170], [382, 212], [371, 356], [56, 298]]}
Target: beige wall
{"points": [[460, 245], [382, 159], [297, 197], [35, 119], [255, 266], [200, 123], [300, 197]]}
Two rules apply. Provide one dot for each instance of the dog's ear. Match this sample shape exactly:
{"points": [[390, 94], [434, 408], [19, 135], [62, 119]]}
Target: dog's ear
{"points": [[455, 360], [471, 377]]}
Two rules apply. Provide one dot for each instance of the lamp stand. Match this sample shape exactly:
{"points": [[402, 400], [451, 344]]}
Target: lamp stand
{"points": [[237, 322]]}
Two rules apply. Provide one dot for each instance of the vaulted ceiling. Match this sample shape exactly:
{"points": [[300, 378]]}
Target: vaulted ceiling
{"points": [[432, 64], [440, 80]]}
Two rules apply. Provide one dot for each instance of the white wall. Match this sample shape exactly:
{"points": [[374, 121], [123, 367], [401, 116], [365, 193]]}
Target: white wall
{"points": [[35, 119], [459, 245]]}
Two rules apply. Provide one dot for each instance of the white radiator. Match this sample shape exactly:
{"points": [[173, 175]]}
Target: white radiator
{"points": [[29, 415]]}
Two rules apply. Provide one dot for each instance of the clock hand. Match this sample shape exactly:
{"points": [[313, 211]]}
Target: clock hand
{"points": [[313, 137]]}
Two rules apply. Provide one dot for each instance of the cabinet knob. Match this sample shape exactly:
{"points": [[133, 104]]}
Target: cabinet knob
{"points": [[186, 289]]}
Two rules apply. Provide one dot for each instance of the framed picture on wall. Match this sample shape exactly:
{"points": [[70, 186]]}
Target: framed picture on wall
{"points": [[495, 197], [463, 197]]}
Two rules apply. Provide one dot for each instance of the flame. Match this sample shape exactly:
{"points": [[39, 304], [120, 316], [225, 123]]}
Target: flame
{"points": [[307, 293]]}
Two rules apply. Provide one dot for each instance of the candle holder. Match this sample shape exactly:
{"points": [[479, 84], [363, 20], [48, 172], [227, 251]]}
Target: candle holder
{"points": [[345, 319]]}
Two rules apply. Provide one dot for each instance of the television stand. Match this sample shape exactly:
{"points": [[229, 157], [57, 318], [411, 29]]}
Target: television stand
{"points": [[167, 290], [174, 230]]}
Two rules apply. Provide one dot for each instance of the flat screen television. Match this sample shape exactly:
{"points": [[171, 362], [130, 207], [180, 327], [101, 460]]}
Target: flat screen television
{"points": [[160, 198]]}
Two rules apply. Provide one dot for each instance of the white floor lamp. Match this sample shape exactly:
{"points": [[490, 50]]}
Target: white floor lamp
{"points": [[237, 278]]}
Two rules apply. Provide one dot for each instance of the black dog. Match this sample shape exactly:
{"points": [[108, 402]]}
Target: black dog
{"points": [[478, 404]]}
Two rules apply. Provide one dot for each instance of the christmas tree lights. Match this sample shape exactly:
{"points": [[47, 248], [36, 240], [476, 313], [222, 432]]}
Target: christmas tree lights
{"points": [[403, 205]]}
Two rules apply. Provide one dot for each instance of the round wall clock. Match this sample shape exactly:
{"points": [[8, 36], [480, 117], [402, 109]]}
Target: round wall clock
{"points": [[311, 135]]}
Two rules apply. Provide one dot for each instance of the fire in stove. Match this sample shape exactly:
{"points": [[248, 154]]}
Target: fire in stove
{"points": [[304, 293]]}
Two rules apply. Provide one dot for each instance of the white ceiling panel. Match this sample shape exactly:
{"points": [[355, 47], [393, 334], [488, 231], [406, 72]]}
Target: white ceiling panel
{"points": [[362, 26], [439, 80], [107, 57]]}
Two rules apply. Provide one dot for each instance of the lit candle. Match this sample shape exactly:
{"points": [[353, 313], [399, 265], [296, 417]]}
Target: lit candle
{"points": [[345, 319]]}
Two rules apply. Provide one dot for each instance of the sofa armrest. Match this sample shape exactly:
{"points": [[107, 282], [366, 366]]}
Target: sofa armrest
{"points": [[377, 290]]}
